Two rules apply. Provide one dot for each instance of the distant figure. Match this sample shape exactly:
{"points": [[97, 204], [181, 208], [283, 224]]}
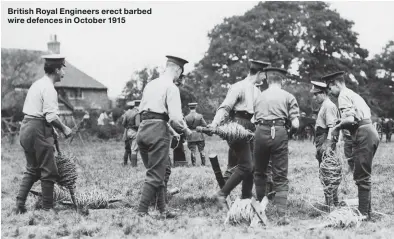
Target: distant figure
{"points": [[103, 119], [196, 139]]}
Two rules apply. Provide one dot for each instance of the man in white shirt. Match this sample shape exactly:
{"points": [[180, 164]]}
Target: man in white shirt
{"points": [[37, 133]]}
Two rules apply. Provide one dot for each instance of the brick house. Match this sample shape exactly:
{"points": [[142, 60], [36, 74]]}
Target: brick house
{"points": [[77, 91]]}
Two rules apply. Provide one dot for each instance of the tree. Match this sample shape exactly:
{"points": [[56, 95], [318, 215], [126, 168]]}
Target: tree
{"points": [[18, 69], [307, 37]]}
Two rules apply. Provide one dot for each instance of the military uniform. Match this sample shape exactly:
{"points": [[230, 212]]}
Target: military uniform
{"points": [[179, 150], [326, 119], [348, 148], [389, 130], [37, 137], [160, 104], [273, 108], [196, 139], [364, 136], [238, 104], [131, 123]]}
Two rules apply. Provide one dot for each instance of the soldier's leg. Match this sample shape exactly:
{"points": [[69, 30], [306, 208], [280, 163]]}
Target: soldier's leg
{"points": [[232, 163], [154, 152], [366, 144], [192, 147], [127, 151], [49, 173], [201, 146], [262, 151], [279, 158], [348, 150], [134, 150]]}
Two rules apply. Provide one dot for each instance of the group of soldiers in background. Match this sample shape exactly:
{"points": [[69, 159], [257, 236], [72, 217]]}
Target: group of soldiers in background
{"points": [[386, 127]]}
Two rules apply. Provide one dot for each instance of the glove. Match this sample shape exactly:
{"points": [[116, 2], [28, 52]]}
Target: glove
{"points": [[327, 145]]}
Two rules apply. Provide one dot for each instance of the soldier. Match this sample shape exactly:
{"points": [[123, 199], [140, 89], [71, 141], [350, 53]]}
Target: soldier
{"points": [[356, 117], [325, 122], [161, 103], [37, 133], [131, 124], [127, 153], [196, 139], [239, 104], [273, 109]]}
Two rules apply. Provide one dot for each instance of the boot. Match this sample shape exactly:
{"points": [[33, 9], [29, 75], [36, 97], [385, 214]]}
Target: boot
{"points": [[220, 199], [261, 190], [161, 205], [364, 202], [148, 192], [193, 158], [47, 194], [202, 159], [26, 184], [247, 186], [125, 158], [133, 160], [281, 204]]}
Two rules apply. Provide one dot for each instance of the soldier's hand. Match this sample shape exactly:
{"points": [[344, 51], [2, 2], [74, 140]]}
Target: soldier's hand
{"points": [[67, 132], [188, 132], [327, 145]]}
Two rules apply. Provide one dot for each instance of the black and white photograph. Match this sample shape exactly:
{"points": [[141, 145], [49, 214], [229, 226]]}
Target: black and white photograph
{"points": [[197, 119]]}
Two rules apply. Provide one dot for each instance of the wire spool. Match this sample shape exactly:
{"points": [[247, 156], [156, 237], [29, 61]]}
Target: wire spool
{"points": [[67, 171], [241, 212], [344, 217], [232, 132], [330, 172]]}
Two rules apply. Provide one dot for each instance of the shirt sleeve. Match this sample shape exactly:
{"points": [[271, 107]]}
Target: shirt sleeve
{"points": [[346, 106], [331, 116], [227, 105], [294, 110], [50, 106], [173, 101]]}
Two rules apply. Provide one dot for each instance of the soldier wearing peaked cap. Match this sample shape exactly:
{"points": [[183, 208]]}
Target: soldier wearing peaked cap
{"points": [[356, 117], [196, 139], [238, 106], [160, 105], [37, 135], [325, 122], [273, 108]]}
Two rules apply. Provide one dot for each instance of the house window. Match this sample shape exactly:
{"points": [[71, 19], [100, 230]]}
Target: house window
{"points": [[75, 93]]}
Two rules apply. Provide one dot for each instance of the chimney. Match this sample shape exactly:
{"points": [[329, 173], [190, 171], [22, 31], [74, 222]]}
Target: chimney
{"points": [[53, 45]]}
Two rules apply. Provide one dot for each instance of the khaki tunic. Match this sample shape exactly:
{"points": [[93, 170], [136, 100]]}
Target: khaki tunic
{"points": [[193, 120]]}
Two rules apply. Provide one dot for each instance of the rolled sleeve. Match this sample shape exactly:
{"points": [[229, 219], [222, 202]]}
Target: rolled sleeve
{"points": [[331, 116], [50, 106], [294, 110], [227, 105], [346, 106], [175, 108]]}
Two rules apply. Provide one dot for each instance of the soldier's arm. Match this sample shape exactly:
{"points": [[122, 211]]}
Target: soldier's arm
{"points": [[348, 112], [175, 110], [331, 119], [124, 120], [50, 109], [203, 123], [228, 104], [294, 112]]}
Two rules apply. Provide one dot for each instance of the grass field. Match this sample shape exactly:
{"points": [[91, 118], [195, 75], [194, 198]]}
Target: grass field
{"points": [[99, 168]]}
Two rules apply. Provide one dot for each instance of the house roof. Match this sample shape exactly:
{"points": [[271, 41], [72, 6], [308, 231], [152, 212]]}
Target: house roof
{"points": [[74, 78]]}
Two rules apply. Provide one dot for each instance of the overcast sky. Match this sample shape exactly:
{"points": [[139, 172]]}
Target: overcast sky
{"points": [[110, 53]]}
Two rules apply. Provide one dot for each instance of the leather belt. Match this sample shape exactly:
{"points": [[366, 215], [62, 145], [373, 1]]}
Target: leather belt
{"points": [[243, 115], [277, 122], [147, 115]]}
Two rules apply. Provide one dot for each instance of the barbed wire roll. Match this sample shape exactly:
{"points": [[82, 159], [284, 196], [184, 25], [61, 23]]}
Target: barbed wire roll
{"points": [[330, 171], [233, 132], [67, 171]]}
